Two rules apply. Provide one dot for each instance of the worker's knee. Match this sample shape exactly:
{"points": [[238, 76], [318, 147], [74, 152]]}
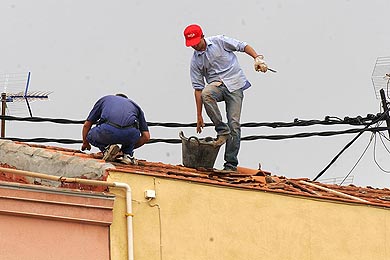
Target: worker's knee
{"points": [[208, 96]]}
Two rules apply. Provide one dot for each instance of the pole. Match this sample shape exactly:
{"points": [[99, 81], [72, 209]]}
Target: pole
{"points": [[3, 105], [385, 108]]}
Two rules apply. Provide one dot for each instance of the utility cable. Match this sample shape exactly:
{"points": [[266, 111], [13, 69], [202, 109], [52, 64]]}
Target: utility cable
{"points": [[376, 162], [383, 115], [247, 138], [310, 134], [42, 119], [365, 150], [384, 136], [329, 120], [339, 154], [384, 145], [357, 162]]}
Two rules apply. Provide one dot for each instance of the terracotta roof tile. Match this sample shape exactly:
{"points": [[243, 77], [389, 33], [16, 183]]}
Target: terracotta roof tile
{"points": [[11, 177], [247, 178]]}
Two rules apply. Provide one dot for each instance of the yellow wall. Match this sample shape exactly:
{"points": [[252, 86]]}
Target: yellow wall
{"points": [[200, 221]]}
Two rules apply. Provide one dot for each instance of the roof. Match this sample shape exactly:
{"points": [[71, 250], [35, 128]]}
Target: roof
{"points": [[245, 178]]}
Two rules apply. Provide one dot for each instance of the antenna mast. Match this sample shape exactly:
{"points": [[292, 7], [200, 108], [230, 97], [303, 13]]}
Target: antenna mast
{"points": [[17, 82], [3, 104], [380, 80]]}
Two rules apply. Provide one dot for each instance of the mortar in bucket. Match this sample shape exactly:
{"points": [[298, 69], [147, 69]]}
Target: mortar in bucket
{"points": [[198, 152]]}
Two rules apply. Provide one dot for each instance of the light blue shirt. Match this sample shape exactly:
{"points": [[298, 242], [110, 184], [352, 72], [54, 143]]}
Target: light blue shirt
{"points": [[219, 63]]}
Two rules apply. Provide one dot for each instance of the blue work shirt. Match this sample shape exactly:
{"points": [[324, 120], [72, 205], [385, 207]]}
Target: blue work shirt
{"points": [[118, 110], [219, 63]]}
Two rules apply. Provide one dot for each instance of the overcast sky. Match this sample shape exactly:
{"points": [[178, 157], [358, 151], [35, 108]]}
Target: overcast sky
{"points": [[324, 51]]}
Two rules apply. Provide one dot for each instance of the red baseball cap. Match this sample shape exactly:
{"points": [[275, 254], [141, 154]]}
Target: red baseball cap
{"points": [[193, 33]]}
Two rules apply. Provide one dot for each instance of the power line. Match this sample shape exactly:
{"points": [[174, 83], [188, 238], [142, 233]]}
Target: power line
{"points": [[329, 120], [310, 134], [357, 162], [338, 155], [375, 160], [248, 138], [384, 116]]}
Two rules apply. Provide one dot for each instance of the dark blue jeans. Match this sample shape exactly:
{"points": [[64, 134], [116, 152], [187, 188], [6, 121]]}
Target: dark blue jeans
{"points": [[211, 95], [103, 135]]}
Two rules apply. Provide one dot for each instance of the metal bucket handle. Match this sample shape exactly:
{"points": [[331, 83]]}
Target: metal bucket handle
{"points": [[181, 135], [194, 137]]}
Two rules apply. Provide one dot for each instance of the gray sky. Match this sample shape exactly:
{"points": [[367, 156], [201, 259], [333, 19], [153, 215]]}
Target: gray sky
{"points": [[324, 52]]}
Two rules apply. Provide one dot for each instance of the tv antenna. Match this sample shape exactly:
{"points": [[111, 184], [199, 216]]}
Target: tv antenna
{"points": [[16, 89], [381, 80], [335, 180]]}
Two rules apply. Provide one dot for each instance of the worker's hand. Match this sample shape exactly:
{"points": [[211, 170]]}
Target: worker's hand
{"points": [[260, 64], [86, 146], [199, 125]]}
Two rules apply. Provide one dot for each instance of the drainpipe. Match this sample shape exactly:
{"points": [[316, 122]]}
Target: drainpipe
{"points": [[129, 218], [129, 211]]}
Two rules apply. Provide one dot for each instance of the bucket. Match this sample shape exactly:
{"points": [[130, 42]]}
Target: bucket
{"points": [[198, 152]]}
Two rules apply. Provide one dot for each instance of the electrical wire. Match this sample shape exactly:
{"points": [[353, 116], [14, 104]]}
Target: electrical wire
{"points": [[384, 145], [338, 155], [384, 136], [387, 87], [42, 119], [357, 162], [160, 225], [383, 116], [328, 120], [375, 160], [247, 138]]}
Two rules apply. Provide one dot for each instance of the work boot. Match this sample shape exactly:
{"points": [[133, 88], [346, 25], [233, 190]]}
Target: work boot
{"points": [[111, 152], [227, 170], [221, 139], [128, 159], [230, 168]]}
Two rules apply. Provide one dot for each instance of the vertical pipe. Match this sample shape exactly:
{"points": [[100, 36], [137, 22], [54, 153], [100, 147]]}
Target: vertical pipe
{"points": [[3, 105], [129, 218], [385, 108]]}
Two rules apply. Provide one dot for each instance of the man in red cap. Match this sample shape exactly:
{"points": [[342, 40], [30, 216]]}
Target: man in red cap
{"points": [[216, 76]]}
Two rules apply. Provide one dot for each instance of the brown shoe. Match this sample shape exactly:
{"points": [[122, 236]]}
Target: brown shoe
{"points": [[111, 152], [221, 139], [227, 170]]}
